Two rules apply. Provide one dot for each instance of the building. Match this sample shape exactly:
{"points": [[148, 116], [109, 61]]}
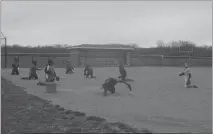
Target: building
{"points": [[100, 55]]}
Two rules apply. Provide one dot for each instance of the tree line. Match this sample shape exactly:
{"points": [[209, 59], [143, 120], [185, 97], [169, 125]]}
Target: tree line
{"points": [[167, 49], [178, 48]]}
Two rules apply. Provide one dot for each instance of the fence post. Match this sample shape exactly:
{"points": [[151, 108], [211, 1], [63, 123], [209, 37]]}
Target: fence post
{"points": [[189, 55], [128, 58], [162, 60], [5, 49]]}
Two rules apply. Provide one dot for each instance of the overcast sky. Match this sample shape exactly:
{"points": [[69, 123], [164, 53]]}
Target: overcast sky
{"points": [[93, 22]]}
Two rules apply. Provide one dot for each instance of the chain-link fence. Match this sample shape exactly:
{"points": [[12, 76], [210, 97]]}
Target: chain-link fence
{"points": [[136, 60]]}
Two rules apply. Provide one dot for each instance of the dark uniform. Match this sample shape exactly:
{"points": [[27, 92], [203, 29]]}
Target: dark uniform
{"points": [[15, 67], [32, 71], [69, 68], [109, 85], [122, 72], [50, 72], [88, 71]]}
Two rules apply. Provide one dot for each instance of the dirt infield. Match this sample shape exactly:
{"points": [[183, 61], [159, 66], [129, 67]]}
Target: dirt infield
{"points": [[24, 113], [159, 101]]}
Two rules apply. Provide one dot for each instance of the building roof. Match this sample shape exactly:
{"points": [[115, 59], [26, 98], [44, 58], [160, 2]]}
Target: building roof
{"points": [[105, 46], [35, 54]]}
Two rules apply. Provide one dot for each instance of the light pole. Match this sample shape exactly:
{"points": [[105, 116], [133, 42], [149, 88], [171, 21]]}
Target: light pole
{"points": [[5, 49]]}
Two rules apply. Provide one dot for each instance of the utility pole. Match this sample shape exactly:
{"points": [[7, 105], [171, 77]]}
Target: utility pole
{"points": [[5, 50], [5, 53]]}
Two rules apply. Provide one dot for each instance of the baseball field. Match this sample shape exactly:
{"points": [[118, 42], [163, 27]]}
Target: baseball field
{"points": [[158, 101]]}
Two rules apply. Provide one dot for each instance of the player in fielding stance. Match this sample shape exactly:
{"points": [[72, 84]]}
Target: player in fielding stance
{"points": [[69, 68], [50, 72], [88, 71], [109, 85], [50, 75], [32, 71], [187, 77]]}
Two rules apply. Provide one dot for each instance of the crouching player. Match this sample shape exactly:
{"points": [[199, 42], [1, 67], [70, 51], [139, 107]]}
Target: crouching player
{"points": [[32, 71], [109, 85], [69, 68], [15, 67], [187, 77], [88, 71], [50, 75]]}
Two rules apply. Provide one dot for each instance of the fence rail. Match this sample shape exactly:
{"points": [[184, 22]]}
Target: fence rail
{"points": [[37, 54], [136, 60]]}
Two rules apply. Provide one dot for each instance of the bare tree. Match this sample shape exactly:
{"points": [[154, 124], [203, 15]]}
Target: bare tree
{"points": [[160, 43]]}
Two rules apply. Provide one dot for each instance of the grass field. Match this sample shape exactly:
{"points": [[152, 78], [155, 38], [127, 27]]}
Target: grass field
{"points": [[159, 101]]}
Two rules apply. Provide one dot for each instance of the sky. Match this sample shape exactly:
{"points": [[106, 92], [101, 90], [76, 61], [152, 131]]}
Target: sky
{"points": [[91, 22]]}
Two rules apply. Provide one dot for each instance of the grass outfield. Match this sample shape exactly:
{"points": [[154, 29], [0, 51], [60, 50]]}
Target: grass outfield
{"points": [[159, 101]]}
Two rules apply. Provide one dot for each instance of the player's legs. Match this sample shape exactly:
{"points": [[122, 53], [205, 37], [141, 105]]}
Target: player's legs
{"points": [[104, 86], [33, 76], [127, 84], [185, 81], [25, 78], [50, 78], [188, 82], [36, 76], [15, 70], [92, 75], [112, 90], [42, 83], [123, 77], [87, 75], [189, 85], [109, 88], [68, 70], [72, 69], [122, 73], [192, 86], [30, 77]]}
